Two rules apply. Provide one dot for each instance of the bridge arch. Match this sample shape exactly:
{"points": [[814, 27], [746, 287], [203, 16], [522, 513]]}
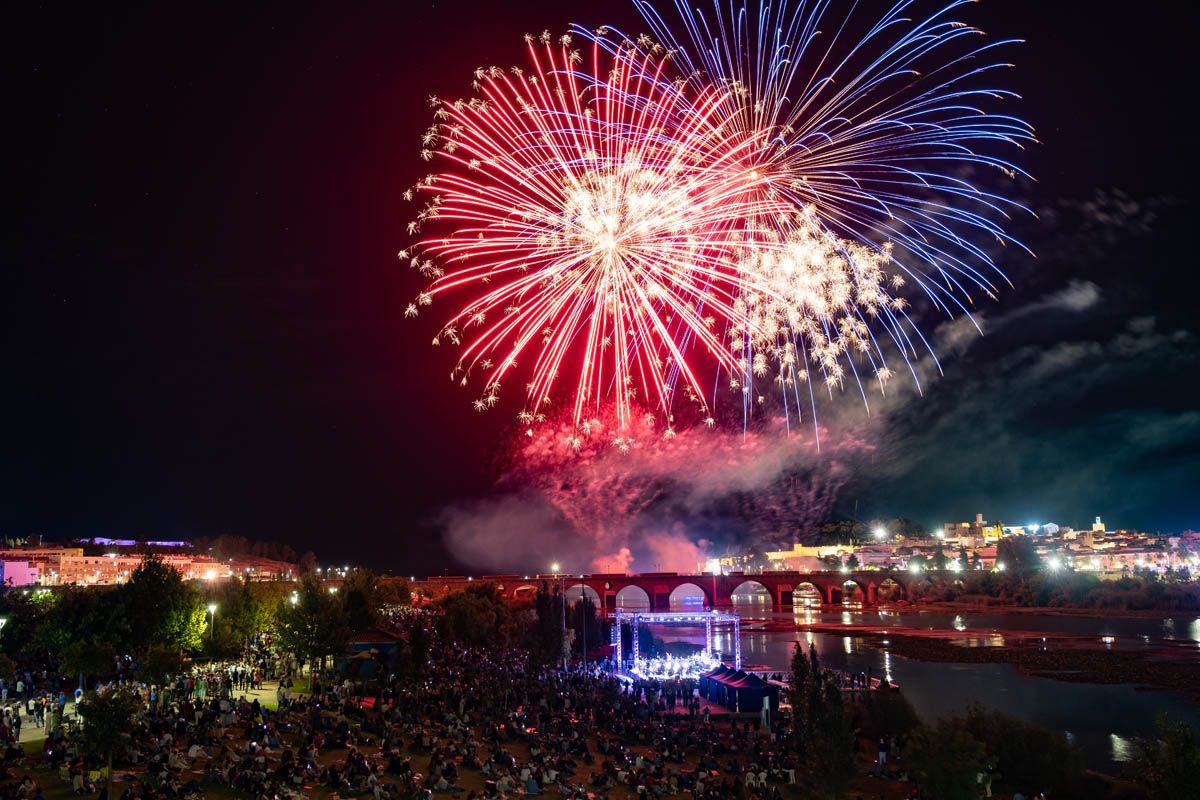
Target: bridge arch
{"points": [[634, 598], [751, 592], [806, 594], [690, 596], [889, 590], [575, 592], [848, 592], [524, 591]]}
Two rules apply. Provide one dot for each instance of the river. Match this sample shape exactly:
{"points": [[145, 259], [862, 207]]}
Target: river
{"points": [[1101, 720]]}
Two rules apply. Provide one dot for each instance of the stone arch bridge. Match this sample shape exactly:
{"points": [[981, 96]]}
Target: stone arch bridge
{"points": [[654, 590]]}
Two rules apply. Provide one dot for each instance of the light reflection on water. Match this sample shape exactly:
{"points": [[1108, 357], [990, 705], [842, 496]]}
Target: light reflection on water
{"points": [[1102, 719], [1122, 748]]}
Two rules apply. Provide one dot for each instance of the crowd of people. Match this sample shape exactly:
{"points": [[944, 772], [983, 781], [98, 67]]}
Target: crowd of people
{"points": [[479, 723], [37, 697]]}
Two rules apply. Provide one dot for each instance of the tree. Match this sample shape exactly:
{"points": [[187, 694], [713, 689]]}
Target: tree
{"points": [[161, 664], [26, 614], [307, 564], [852, 562], [1170, 764], [547, 633], [939, 556], [418, 648], [8, 669], [360, 601], [1025, 754], [108, 722], [246, 609], [476, 616], [1019, 555], [886, 712], [831, 751], [841, 531], [801, 719], [315, 625], [88, 657], [824, 737], [91, 614], [394, 593], [161, 608], [586, 624], [946, 760]]}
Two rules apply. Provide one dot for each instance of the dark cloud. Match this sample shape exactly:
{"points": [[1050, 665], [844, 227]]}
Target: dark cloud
{"points": [[1068, 407]]}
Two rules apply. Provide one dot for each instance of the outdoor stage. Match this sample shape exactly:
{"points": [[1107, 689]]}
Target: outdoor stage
{"points": [[671, 666]]}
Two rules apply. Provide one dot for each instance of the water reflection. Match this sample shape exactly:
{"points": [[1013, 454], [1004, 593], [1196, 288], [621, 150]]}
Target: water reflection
{"points": [[1122, 748], [1103, 719]]}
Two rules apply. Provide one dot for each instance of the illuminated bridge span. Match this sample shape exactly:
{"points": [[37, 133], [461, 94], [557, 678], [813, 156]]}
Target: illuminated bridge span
{"points": [[659, 591]]}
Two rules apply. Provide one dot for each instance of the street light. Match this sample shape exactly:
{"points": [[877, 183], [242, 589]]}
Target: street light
{"points": [[880, 533], [562, 588], [212, 609], [583, 623]]}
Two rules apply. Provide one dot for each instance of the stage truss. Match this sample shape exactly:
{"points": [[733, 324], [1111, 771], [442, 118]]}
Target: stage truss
{"points": [[709, 619]]}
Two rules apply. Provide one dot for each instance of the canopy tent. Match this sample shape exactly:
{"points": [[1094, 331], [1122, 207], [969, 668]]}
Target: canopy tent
{"points": [[748, 693], [737, 690], [709, 680]]}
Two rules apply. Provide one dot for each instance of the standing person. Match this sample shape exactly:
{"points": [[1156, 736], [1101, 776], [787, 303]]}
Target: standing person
{"points": [[20, 690]]}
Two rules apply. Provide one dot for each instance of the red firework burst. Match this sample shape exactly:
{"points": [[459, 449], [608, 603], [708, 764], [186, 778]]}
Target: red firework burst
{"points": [[589, 219]]}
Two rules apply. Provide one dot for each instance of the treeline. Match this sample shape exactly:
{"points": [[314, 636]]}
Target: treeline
{"points": [[156, 619], [967, 756], [480, 615], [1070, 590], [228, 546]]}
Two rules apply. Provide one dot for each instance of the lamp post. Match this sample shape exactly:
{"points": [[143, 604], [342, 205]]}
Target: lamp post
{"points": [[583, 622], [212, 610], [562, 588]]}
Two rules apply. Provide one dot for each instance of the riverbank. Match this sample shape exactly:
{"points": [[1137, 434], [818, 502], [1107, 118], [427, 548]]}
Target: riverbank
{"points": [[1057, 658], [991, 604], [1090, 656]]}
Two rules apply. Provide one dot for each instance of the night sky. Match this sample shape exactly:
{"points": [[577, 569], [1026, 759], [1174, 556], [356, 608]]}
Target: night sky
{"points": [[204, 328]]}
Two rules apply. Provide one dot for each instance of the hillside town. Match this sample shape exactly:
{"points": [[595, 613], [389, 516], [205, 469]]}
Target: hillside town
{"points": [[976, 545], [956, 546]]}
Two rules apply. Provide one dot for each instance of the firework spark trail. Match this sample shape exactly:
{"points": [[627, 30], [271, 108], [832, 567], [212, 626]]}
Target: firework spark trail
{"points": [[597, 221], [862, 137]]}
